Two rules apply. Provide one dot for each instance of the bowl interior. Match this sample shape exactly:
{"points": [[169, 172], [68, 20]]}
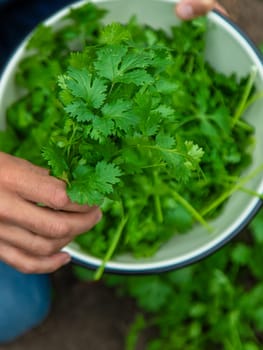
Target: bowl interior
{"points": [[229, 51]]}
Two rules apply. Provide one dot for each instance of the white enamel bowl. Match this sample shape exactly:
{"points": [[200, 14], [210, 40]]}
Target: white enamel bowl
{"points": [[228, 50]]}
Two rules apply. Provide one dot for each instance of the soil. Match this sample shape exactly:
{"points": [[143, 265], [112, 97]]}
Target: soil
{"points": [[89, 315]]}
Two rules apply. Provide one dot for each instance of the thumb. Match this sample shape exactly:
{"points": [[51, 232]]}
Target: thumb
{"points": [[189, 9]]}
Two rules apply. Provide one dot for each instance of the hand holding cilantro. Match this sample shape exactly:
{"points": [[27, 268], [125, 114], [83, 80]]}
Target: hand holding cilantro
{"points": [[31, 236]]}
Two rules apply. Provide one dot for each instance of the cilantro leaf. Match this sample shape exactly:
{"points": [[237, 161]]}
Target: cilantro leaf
{"points": [[56, 160], [82, 188], [194, 151], [79, 110], [107, 174], [114, 33], [89, 185], [165, 140], [108, 61], [82, 84], [120, 113], [117, 64]]}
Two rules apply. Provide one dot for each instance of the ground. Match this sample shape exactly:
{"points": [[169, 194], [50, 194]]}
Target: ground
{"points": [[89, 315]]}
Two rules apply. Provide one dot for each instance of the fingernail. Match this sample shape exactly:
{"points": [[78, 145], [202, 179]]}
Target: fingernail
{"points": [[185, 11]]}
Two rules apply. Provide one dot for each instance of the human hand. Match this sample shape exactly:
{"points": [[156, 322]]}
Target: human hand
{"points": [[31, 236], [189, 9]]}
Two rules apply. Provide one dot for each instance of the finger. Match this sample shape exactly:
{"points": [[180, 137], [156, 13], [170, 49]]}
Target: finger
{"points": [[74, 207], [29, 242], [221, 9], [44, 221], [34, 184], [50, 192], [35, 168], [36, 187], [15, 161], [47, 190], [31, 264], [189, 9]]}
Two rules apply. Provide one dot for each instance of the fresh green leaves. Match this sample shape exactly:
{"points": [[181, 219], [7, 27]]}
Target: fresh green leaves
{"points": [[90, 185], [133, 120], [83, 86], [114, 34], [55, 159], [118, 64]]}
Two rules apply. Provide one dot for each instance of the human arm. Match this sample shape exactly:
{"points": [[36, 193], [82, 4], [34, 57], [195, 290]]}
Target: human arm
{"points": [[32, 235], [188, 9]]}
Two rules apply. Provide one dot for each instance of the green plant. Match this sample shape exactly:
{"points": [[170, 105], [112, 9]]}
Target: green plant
{"points": [[133, 120]]}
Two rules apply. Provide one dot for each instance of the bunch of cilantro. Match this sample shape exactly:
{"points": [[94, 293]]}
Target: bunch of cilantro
{"points": [[134, 120]]}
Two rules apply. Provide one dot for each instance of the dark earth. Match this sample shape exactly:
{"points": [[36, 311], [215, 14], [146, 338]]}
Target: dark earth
{"points": [[87, 315]]}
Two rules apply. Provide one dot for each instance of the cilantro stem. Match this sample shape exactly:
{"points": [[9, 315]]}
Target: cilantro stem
{"points": [[198, 217], [157, 202], [111, 88], [190, 65], [168, 150], [215, 204], [112, 248], [157, 165], [234, 179], [71, 141], [243, 102], [254, 99], [251, 192], [244, 126]]}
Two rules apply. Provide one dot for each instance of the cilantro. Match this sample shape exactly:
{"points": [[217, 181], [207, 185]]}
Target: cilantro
{"points": [[133, 120], [55, 159], [90, 185]]}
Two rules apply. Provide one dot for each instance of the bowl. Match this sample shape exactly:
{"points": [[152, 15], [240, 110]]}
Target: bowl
{"points": [[229, 50]]}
